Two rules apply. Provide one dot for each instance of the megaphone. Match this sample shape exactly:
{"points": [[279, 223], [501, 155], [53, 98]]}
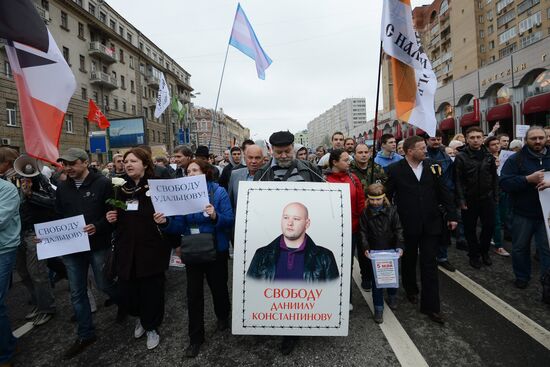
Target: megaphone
{"points": [[27, 166]]}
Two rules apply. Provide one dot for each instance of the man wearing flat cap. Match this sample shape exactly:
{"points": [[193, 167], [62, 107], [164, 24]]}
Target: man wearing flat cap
{"points": [[284, 166], [85, 192]]}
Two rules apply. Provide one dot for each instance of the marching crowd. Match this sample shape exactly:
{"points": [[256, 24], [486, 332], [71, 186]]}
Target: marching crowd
{"points": [[415, 196]]}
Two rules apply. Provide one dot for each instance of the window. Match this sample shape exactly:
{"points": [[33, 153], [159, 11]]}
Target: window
{"points": [[507, 50], [530, 39], [527, 4], [80, 30], [129, 37], [481, 19], [66, 55], [103, 17], [490, 15], [158, 136], [491, 45], [121, 55], [64, 20], [84, 94], [482, 48], [141, 46], [164, 137], [7, 70], [82, 63], [502, 4], [131, 61], [507, 35], [78, 2], [132, 87], [112, 24], [481, 34], [122, 82], [146, 113], [134, 109], [490, 30], [444, 7], [123, 106], [11, 110], [96, 98], [106, 102], [121, 31], [91, 8], [530, 22], [69, 123], [115, 103], [502, 20]]}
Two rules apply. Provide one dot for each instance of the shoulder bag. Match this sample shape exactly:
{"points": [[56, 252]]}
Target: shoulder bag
{"points": [[199, 248]]}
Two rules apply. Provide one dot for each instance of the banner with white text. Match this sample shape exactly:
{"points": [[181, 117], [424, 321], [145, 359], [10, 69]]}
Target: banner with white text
{"points": [[61, 237], [292, 260], [179, 196]]}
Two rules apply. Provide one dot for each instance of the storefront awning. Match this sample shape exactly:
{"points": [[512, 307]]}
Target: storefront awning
{"points": [[501, 112], [398, 132], [540, 103], [469, 119], [420, 132], [447, 124]]}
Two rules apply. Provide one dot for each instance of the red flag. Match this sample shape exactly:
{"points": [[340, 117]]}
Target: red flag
{"points": [[96, 116]]}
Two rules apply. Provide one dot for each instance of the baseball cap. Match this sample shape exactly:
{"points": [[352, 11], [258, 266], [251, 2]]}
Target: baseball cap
{"points": [[73, 154]]}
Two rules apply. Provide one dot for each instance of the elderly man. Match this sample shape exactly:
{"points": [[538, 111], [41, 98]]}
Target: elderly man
{"points": [[414, 186], [254, 158], [522, 177], [293, 255]]}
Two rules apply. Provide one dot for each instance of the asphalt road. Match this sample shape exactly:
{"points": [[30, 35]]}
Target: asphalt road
{"points": [[475, 334]]}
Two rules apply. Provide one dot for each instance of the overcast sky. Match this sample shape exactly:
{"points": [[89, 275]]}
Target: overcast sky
{"points": [[322, 50]]}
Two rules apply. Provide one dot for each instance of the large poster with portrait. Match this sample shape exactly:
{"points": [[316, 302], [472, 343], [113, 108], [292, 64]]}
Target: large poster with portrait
{"points": [[292, 260]]}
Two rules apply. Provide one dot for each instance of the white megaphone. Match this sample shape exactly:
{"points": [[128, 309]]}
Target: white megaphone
{"points": [[26, 166]]}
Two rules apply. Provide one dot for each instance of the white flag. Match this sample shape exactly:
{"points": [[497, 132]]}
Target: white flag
{"points": [[163, 98], [414, 80]]}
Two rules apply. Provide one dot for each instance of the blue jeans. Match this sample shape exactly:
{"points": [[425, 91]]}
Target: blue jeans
{"points": [[7, 340], [524, 230], [378, 296], [77, 272]]}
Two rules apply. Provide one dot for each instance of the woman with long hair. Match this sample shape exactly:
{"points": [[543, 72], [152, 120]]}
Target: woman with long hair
{"points": [[216, 218], [141, 254]]}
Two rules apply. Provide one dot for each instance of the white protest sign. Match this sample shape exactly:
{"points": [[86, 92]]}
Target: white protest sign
{"points": [[385, 266], [306, 295], [521, 130], [61, 237], [503, 156], [179, 196], [544, 197]]}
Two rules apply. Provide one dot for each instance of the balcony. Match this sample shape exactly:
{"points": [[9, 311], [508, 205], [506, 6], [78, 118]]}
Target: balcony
{"points": [[44, 14], [152, 80], [445, 38], [103, 79], [106, 54]]}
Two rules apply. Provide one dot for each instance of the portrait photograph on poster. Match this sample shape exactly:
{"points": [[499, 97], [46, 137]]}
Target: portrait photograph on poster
{"points": [[292, 260]]}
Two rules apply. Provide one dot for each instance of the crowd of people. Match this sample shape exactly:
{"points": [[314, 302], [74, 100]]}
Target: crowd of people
{"points": [[414, 197]]}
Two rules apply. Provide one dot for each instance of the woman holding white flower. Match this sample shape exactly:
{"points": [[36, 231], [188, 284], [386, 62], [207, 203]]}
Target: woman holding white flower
{"points": [[141, 252]]}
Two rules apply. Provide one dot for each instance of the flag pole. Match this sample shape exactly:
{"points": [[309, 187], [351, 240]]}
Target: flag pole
{"points": [[375, 130], [217, 99]]}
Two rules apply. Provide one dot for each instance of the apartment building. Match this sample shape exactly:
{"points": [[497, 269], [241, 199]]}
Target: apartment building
{"points": [[344, 117], [114, 64], [491, 60]]}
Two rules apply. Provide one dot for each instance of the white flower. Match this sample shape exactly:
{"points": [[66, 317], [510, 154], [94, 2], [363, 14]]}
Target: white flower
{"points": [[117, 181]]}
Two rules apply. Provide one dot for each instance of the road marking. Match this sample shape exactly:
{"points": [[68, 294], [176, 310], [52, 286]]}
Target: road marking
{"points": [[23, 329], [517, 318], [405, 350]]}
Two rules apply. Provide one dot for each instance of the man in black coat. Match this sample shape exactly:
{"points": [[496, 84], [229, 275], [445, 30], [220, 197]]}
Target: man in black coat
{"points": [[416, 188], [477, 192]]}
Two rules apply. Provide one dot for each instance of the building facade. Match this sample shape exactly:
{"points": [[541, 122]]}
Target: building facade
{"points": [[113, 63], [492, 61], [220, 133], [301, 137], [343, 117]]}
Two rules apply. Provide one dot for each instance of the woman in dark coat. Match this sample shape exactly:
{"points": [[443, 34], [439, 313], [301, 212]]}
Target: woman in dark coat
{"points": [[141, 252]]}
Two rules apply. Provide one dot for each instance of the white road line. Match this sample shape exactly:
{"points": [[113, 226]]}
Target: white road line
{"points": [[406, 352], [23, 330], [517, 318]]}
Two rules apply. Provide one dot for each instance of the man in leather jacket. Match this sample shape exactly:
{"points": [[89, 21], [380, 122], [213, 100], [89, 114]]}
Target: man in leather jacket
{"points": [[476, 190], [293, 255]]}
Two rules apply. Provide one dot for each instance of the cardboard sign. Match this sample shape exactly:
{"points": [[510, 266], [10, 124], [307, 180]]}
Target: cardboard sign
{"points": [[61, 237], [521, 130], [292, 294], [179, 196], [503, 156]]}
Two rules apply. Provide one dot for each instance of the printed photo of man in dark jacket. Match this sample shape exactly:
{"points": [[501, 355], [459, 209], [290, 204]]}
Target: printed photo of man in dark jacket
{"points": [[293, 256]]}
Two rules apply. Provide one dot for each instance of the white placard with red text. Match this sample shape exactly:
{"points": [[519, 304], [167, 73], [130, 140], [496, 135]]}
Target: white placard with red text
{"points": [[264, 306]]}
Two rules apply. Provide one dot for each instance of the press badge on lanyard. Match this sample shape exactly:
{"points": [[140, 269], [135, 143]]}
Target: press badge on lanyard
{"points": [[132, 205]]}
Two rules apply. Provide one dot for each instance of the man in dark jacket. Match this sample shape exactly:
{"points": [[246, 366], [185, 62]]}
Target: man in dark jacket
{"points": [[235, 162], [477, 192], [436, 152], [415, 186], [293, 255], [85, 193], [522, 177]]}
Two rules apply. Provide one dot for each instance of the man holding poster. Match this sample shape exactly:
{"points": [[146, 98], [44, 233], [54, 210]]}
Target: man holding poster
{"points": [[85, 193], [522, 177]]}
